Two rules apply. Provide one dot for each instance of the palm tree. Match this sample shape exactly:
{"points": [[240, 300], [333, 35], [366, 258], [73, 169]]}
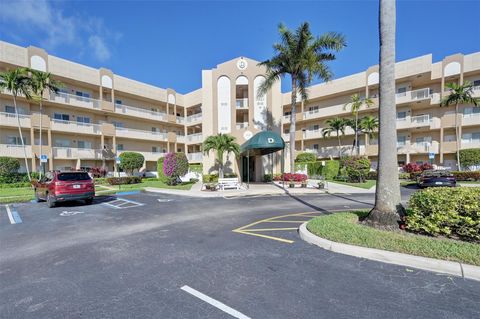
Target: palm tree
{"points": [[355, 104], [459, 94], [221, 143], [42, 82], [388, 207], [368, 125], [17, 82], [303, 57], [336, 125]]}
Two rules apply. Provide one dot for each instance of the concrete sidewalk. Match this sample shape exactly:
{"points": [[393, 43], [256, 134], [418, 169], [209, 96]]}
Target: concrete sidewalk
{"points": [[261, 189]]}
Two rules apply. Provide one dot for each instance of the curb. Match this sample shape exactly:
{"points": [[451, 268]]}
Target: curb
{"points": [[430, 264]]}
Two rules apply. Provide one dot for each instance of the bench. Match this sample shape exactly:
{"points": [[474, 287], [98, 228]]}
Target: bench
{"points": [[225, 183]]}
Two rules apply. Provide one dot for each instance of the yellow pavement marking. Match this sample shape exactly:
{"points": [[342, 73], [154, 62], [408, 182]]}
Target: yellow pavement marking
{"points": [[247, 230]]}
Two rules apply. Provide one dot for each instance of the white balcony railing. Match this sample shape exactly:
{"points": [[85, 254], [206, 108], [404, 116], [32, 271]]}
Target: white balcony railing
{"points": [[242, 125], [333, 151], [286, 137], [198, 137], [194, 118], [149, 156], [421, 120], [10, 119], [140, 134], [309, 134], [476, 90], [415, 95], [139, 112], [11, 150], [180, 119], [195, 157], [75, 100], [181, 138], [425, 147], [76, 153], [471, 119], [242, 103], [76, 127]]}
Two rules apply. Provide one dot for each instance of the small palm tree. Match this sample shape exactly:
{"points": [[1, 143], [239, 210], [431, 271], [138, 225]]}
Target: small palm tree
{"points": [[221, 143], [336, 125], [17, 82], [355, 104], [40, 83], [369, 125], [459, 94], [303, 57]]}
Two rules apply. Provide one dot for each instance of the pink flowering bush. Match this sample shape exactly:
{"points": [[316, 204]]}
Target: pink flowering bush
{"points": [[174, 166]]}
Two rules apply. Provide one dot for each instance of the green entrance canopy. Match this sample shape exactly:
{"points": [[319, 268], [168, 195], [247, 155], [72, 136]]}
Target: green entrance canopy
{"points": [[263, 143]]}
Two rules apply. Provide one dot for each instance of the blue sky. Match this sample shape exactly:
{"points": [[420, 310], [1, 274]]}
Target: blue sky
{"points": [[168, 43]]}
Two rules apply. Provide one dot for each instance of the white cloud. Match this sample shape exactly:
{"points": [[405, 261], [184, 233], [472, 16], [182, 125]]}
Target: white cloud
{"points": [[48, 20], [99, 48]]}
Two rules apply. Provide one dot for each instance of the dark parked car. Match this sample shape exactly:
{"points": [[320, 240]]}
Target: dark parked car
{"points": [[65, 186], [436, 178]]}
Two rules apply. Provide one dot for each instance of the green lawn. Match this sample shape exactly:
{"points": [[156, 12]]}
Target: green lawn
{"points": [[24, 194], [367, 185], [343, 227]]}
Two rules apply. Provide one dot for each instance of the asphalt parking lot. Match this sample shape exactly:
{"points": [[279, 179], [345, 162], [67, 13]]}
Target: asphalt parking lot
{"points": [[161, 256]]}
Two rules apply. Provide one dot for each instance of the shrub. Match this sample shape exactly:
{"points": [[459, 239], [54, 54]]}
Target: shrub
{"points": [[470, 157], [294, 177], [124, 180], [17, 177], [131, 161], [160, 174], [403, 175], [194, 180], [356, 168], [9, 165], [467, 175], [174, 166], [277, 177], [98, 172], [306, 157], [426, 166], [451, 212], [196, 168], [331, 169], [412, 168], [100, 180], [210, 178], [15, 185], [372, 175], [267, 178]]}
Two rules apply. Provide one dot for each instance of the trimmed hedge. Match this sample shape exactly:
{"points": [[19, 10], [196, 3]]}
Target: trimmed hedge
{"points": [[331, 169], [131, 161], [8, 165], [356, 168], [17, 177], [306, 157], [467, 175], [16, 185], [470, 157], [124, 180], [450, 212]]}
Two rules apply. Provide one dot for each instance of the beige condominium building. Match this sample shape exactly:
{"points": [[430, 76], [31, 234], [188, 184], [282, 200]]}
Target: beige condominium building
{"points": [[98, 114]]}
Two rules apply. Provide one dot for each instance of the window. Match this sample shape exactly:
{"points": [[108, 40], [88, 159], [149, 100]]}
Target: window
{"points": [[401, 140], [287, 113], [61, 117], [402, 91], [313, 109], [155, 130], [401, 116], [449, 138], [471, 111], [62, 143], [84, 144], [15, 140], [82, 94], [476, 83], [179, 150], [423, 140], [119, 147], [117, 124], [315, 147], [119, 102], [9, 109], [315, 128], [471, 137], [83, 119]]}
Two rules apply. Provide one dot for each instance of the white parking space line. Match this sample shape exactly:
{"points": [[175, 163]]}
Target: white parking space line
{"points": [[217, 304], [13, 215], [122, 203]]}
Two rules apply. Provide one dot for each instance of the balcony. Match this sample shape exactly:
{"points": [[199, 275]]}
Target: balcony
{"points": [[195, 118], [471, 119], [139, 112], [242, 104], [140, 134], [476, 90], [470, 144], [242, 125], [11, 150], [333, 151], [181, 138], [425, 147], [411, 96], [180, 120], [75, 100], [76, 153], [195, 157], [312, 134], [286, 137], [10, 119], [75, 127], [421, 120], [195, 138]]}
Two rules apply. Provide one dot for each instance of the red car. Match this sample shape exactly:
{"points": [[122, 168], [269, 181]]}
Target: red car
{"points": [[57, 187]]}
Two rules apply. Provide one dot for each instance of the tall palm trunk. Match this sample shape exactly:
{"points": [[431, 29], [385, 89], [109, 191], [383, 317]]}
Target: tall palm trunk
{"points": [[356, 134], [339, 146], [293, 119], [21, 136], [387, 195], [457, 135], [220, 164]]}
